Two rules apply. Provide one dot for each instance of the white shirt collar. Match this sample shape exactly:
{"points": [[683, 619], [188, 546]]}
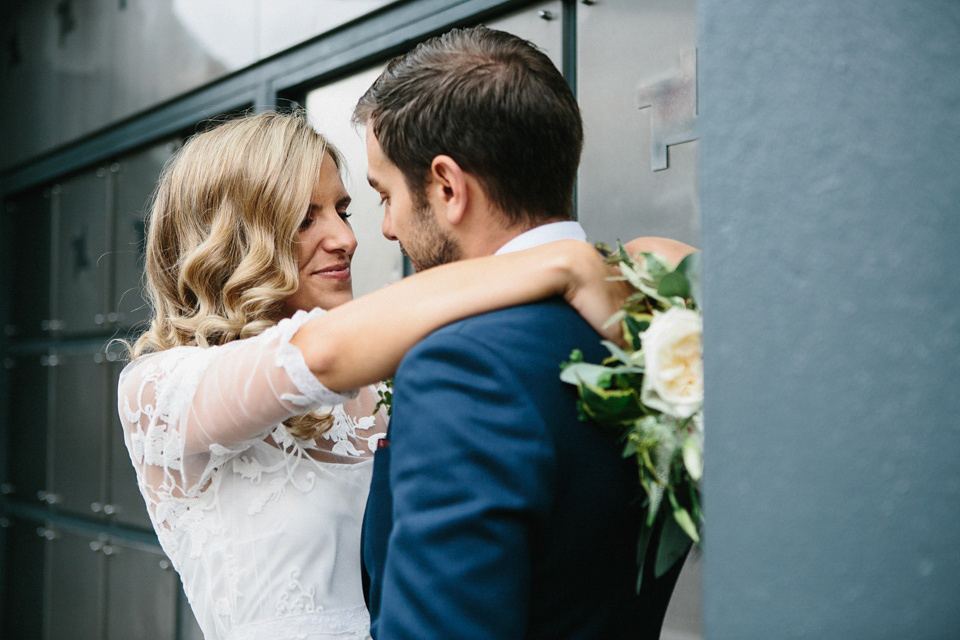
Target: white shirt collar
{"points": [[551, 232]]}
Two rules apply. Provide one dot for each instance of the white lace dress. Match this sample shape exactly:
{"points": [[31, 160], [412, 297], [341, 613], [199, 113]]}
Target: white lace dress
{"points": [[264, 530]]}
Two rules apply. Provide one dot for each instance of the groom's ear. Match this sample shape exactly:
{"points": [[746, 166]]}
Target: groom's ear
{"points": [[448, 188]]}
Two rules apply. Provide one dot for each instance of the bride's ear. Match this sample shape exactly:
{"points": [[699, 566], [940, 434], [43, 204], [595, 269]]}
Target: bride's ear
{"points": [[448, 189]]}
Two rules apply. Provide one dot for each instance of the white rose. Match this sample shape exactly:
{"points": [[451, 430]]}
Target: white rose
{"points": [[673, 363]]}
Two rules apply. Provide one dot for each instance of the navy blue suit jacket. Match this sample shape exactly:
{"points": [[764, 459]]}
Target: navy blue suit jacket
{"points": [[494, 512]]}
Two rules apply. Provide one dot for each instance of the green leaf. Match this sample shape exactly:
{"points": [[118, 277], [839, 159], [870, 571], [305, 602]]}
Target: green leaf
{"points": [[682, 516], [673, 545], [615, 318], [690, 267], [636, 324], [610, 407], [643, 543], [619, 353], [693, 458], [674, 285], [594, 374]]}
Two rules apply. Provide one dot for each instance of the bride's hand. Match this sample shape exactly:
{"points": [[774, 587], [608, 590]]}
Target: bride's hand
{"points": [[593, 292]]}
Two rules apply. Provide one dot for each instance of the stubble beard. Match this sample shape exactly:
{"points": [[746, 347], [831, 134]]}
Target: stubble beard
{"points": [[432, 246]]}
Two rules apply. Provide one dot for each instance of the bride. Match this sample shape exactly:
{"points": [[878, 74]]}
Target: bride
{"points": [[247, 408]]}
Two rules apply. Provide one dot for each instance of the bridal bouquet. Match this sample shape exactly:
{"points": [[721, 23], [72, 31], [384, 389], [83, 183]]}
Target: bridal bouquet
{"points": [[652, 393]]}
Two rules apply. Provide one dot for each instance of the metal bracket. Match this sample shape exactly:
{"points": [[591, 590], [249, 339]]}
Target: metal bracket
{"points": [[673, 114]]}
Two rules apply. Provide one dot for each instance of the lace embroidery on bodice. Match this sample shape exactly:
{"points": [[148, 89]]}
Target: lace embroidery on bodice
{"points": [[261, 526]]}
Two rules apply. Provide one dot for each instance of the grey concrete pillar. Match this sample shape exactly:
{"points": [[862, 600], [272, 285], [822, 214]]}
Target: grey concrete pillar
{"points": [[830, 190]]}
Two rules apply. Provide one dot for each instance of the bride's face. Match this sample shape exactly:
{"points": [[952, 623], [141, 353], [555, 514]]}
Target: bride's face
{"points": [[325, 245]]}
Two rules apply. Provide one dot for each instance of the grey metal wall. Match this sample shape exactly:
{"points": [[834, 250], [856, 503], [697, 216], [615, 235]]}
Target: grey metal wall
{"points": [[830, 169], [71, 67]]}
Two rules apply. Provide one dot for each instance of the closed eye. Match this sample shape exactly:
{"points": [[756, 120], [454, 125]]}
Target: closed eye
{"points": [[342, 205], [309, 218]]}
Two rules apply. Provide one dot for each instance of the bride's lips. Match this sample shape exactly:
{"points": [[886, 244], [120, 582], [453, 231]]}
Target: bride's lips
{"points": [[336, 272]]}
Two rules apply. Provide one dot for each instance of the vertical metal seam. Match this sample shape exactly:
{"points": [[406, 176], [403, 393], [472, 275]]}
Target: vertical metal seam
{"points": [[569, 63]]}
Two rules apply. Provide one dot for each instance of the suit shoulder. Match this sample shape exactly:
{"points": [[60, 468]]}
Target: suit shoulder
{"points": [[526, 337], [531, 317]]}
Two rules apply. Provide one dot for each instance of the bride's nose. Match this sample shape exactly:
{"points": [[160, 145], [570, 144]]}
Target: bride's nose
{"points": [[340, 238]]}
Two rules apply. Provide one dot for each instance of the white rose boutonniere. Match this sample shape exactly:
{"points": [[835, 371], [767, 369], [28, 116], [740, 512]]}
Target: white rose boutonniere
{"points": [[652, 394], [673, 363]]}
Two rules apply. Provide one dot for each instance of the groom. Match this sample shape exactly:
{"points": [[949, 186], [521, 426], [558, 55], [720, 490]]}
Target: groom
{"points": [[494, 512]]}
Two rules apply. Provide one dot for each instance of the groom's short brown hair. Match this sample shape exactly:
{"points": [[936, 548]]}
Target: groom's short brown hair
{"points": [[494, 103]]}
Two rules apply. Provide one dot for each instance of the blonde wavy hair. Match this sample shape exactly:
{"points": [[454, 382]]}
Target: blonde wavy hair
{"points": [[220, 256]]}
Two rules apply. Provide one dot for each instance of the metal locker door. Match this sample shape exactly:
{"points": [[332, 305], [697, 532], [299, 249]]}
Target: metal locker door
{"points": [[22, 580], [33, 95], [631, 54], [81, 241], [541, 24], [81, 58], [636, 84], [189, 628], [27, 428], [73, 593], [28, 218], [136, 178], [124, 501], [142, 591], [77, 465]]}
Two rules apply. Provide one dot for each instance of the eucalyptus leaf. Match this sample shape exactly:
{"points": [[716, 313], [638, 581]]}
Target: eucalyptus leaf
{"points": [[673, 545], [643, 282], [615, 318], [690, 267], [682, 516], [693, 458], [643, 544], [620, 354], [636, 324], [674, 285], [593, 374]]}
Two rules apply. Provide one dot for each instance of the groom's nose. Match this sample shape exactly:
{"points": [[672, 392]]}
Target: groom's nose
{"points": [[387, 227]]}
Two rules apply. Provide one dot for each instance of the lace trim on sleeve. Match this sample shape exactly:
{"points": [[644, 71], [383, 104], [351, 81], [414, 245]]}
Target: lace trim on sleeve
{"points": [[291, 359]]}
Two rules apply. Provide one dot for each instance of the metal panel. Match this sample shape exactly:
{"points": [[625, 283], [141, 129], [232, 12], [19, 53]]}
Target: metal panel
{"points": [[77, 473], [27, 428], [164, 49], [123, 500], [630, 54], [683, 619], [135, 178], [81, 55], [541, 24], [73, 593], [31, 93], [285, 23], [189, 628], [22, 580], [622, 190], [142, 591], [82, 273], [29, 223]]}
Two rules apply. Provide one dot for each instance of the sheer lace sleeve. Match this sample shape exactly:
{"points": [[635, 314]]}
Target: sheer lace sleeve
{"points": [[189, 409]]}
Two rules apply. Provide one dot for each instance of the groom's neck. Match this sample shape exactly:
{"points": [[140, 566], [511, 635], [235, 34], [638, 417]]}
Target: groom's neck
{"points": [[486, 241]]}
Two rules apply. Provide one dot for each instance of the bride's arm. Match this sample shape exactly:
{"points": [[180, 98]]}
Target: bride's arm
{"points": [[673, 250], [363, 341]]}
